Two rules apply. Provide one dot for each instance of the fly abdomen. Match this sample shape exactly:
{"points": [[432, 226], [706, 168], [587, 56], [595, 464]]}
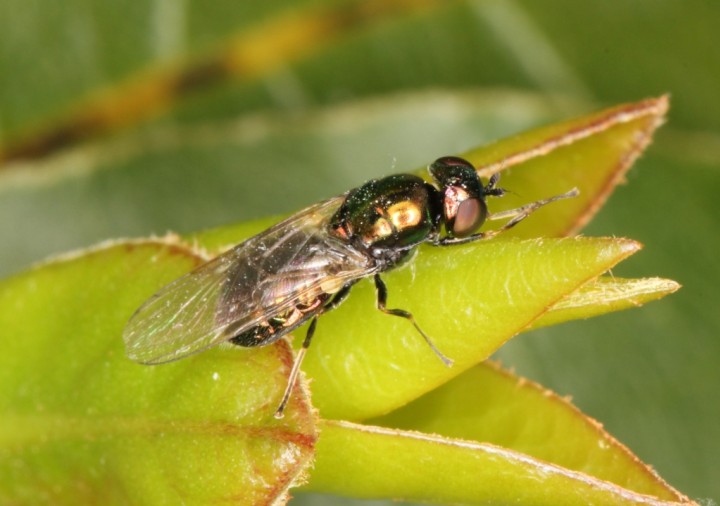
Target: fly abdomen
{"points": [[271, 329]]}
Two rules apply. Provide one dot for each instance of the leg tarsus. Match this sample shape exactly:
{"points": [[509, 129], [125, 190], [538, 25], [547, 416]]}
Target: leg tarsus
{"points": [[520, 213]]}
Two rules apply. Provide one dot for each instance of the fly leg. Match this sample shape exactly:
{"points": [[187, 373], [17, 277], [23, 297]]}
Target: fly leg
{"points": [[332, 304], [381, 291], [516, 216]]}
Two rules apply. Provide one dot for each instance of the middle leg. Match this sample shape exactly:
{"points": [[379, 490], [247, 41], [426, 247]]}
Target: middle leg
{"points": [[381, 292]]}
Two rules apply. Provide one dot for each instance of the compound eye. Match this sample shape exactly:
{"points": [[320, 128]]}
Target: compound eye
{"points": [[451, 161], [470, 215]]}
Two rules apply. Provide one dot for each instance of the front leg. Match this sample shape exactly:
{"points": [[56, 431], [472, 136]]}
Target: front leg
{"points": [[451, 241]]}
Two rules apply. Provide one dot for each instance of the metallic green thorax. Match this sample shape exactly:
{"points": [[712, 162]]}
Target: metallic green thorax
{"points": [[397, 212]]}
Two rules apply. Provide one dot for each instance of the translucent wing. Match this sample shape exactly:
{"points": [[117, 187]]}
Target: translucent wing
{"points": [[261, 277]]}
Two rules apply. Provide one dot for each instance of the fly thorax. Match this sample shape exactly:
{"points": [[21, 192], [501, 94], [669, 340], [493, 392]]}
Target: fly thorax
{"points": [[393, 213]]}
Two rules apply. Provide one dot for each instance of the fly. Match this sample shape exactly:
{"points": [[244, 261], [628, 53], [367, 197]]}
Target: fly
{"points": [[305, 266]]}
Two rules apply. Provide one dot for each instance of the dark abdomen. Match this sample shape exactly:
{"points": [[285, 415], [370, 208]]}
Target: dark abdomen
{"points": [[273, 328]]}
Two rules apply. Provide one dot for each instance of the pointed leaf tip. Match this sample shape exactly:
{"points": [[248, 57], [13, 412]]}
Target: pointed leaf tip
{"points": [[470, 299]]}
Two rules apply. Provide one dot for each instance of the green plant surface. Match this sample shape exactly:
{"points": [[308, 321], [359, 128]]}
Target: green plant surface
{"points": [[202, 429], [97, 408], [136, 120], [448, 470], [490, 405], [514, 283], [83, 425]]}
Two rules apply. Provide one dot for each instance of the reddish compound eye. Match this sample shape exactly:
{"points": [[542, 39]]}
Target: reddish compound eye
{"points": [[471, 214]]}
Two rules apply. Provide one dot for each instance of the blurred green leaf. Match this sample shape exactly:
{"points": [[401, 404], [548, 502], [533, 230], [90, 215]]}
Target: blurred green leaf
{"points": [[189, 178]]}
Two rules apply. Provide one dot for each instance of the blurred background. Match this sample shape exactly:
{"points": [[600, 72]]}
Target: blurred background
{"points": [[128, 118]]}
